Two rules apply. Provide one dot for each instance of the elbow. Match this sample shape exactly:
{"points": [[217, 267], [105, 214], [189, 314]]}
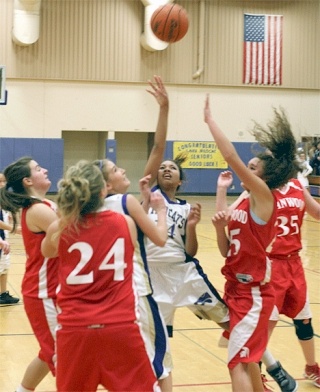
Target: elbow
{"points": [[162, 242], [192, 252]]}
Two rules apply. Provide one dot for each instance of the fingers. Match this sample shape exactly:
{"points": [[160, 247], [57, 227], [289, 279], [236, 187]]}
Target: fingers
{"points": [[156, 201], [4, 245], [156, 86], [220, 216], [195, 211], [145, 179]]}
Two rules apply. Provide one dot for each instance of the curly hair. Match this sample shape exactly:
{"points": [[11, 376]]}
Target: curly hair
{"points": [[279, 158], [79, 193]]}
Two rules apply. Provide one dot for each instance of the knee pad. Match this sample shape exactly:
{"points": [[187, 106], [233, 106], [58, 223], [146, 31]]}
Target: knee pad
{"points": [[304, 331]]}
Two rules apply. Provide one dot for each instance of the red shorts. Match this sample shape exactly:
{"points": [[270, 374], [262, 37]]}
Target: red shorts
{"points": [[289, 283], [42, 315], [113, 356], [250, 308]]}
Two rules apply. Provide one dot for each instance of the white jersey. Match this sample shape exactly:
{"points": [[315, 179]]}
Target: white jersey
{"points": [[174, 249], [118, 203]]}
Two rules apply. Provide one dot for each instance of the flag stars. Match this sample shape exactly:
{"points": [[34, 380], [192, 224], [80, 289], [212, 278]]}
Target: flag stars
{"points": [[254, 28]]}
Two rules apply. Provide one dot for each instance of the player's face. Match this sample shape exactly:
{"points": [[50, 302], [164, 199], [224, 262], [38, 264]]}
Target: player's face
{"points": [[38, 178], [256, 166], [168, 175], [117, 180]]}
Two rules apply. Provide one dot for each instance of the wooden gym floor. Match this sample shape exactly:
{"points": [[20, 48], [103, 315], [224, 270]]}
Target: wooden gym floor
{"points": [[199, 364]]}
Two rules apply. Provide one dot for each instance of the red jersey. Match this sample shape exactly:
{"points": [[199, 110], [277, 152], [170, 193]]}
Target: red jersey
{"points": [[290, 212], [40, 279], [247, 260], [95, 272]]}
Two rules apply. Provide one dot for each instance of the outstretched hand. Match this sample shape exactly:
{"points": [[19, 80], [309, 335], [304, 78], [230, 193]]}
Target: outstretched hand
{"points": [[158, 91], [220, 219], [225, 179], [194, 215], [145, 188], [157, 201]]}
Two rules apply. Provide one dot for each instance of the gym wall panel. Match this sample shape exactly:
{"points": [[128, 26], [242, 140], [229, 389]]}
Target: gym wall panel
{"points": [[100, 41], [47, 152]]}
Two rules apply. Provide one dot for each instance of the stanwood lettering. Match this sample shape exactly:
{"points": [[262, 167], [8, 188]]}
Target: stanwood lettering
{"points": [[239, 216], [290, 202]]}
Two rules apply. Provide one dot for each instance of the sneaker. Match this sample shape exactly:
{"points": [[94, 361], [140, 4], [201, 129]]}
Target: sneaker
{"points": [[266, 387], [313, 373], [283, 379], [7, 299]]}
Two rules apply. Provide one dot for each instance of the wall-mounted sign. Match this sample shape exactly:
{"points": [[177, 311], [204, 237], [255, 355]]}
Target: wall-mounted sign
{"points": [[201, 155]]}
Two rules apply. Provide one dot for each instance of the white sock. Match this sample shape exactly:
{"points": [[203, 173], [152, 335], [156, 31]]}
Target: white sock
{"points": [[268, 360], [23, 389]]}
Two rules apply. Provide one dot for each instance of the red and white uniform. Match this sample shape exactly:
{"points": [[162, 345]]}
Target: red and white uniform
{"points": [[153, 326], [98, 310], [39, 286], [288, 277], [247, 293]]}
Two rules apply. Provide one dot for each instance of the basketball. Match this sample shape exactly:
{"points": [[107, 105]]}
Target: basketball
{"points": [[170, 23]]}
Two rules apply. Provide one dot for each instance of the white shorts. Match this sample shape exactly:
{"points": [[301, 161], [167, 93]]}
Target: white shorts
{"points": [[155, 335], [4, 263], [185, 284]]}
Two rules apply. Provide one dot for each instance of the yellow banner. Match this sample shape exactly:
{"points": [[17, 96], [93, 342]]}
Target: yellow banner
{"points": [[201, 155]]}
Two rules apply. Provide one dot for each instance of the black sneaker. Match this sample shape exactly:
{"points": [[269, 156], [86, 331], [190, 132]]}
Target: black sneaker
{"points": [[283, 379], [7, 299]]}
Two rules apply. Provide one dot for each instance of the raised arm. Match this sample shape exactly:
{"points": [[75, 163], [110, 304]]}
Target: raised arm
{"points": [[220, 218], [158, 90], [220, 221], [158, 234], [261, 198], [225, 180]]}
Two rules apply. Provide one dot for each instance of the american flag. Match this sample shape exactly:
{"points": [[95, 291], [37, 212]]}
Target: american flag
{"points": [[262, 57]]}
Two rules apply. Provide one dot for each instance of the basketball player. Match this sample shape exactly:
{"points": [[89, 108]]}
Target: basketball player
{"points": [[251, 228], [118, 200], [289, 282], [26, 188], [98, 321]]}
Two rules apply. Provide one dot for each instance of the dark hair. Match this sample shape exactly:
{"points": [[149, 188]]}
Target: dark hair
{"points": [[14, 195], [178, 161], [279, 159]]}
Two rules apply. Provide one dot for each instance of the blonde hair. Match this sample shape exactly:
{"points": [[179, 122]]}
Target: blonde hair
{"points": [[79, 193]]}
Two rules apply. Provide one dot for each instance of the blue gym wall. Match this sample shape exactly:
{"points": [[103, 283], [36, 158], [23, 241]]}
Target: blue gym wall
{"points": [[47, 152], [204, 181]]}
